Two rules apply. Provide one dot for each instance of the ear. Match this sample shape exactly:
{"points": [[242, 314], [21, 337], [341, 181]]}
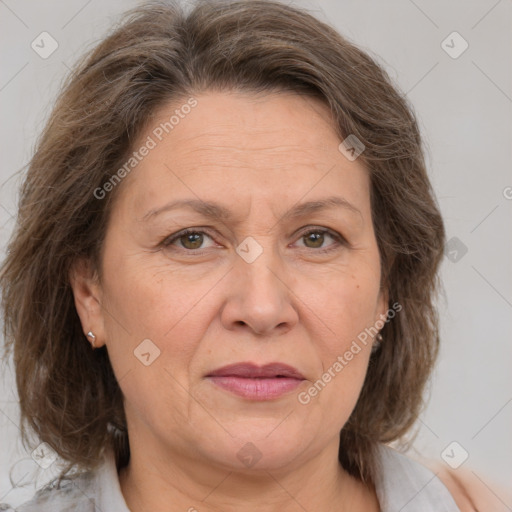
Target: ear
{"points": [[88, 299], [382, 305]]}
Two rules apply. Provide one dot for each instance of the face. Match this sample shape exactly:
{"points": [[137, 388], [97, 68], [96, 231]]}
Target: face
{"points": [[278, 276]]}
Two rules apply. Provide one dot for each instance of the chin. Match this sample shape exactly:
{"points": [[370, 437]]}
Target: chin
{"points": [[257, 445]]}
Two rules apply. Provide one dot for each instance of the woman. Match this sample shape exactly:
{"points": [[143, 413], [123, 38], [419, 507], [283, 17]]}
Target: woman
{"points": [[219, 293]]}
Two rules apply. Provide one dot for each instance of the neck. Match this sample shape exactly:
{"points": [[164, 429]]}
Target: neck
{"points": [[177, 483]]}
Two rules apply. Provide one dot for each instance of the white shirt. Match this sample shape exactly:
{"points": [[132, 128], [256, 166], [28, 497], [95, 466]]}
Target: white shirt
{"points": [[403, 485]]}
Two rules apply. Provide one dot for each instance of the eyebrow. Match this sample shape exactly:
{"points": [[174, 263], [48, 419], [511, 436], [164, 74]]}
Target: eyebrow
{"points": [[213, 210]]}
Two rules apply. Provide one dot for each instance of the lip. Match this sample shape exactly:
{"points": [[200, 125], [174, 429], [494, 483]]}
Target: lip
{"points": [[255, 382]]}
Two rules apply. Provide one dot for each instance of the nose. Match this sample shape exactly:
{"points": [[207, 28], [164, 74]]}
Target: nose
{"points": [[260, 299]]}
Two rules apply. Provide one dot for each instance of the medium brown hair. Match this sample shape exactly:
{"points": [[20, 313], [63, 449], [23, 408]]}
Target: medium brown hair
{"points": [[68, 393]]}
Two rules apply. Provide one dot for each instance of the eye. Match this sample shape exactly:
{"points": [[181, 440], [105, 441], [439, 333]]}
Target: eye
{"points": [[188, 239], [315, 238], [191, 240]]}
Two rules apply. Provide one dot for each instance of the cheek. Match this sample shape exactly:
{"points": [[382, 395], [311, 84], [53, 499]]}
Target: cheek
{"points": [[160, 304], [154, 324], [150, 300], [344, 350], [348, 304]]}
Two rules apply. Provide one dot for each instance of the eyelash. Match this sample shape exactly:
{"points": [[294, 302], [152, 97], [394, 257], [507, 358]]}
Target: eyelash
{"points": [[340, 240]]}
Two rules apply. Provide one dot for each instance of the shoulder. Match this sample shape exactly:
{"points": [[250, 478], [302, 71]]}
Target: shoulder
{"points": [[403, 483], [469, 491], [87, 491], [70, 494], [409, 483]]}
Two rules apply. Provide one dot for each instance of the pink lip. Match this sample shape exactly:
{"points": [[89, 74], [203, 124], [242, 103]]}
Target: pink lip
{"points": [[257, 382]]}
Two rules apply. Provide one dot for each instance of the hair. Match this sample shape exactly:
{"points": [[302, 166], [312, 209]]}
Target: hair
{"points": [[160, 52]]}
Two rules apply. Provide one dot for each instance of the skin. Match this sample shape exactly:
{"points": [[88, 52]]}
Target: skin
{"points": [[469, 491], [258, 156]]}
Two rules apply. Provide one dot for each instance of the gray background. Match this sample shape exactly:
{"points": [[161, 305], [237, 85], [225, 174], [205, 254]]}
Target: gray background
{"points": [[464, 106]]}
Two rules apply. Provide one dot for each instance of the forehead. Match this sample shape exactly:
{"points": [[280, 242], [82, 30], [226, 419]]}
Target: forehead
{"points": [[239, 146], [239, 122]]}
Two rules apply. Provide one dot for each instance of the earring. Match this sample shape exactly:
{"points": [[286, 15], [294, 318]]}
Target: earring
{"points": [[376, 343], [91, 335]]}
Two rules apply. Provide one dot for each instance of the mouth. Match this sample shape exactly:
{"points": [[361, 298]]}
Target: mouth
{"points": [[254, 382]]}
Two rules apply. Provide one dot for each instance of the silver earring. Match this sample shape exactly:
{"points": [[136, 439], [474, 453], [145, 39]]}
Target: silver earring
{"points": [[91, 335], [377, 342]]}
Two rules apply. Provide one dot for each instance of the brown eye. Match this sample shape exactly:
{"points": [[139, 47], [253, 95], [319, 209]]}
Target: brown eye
{"points": [[190, 240], [315, 239]]}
